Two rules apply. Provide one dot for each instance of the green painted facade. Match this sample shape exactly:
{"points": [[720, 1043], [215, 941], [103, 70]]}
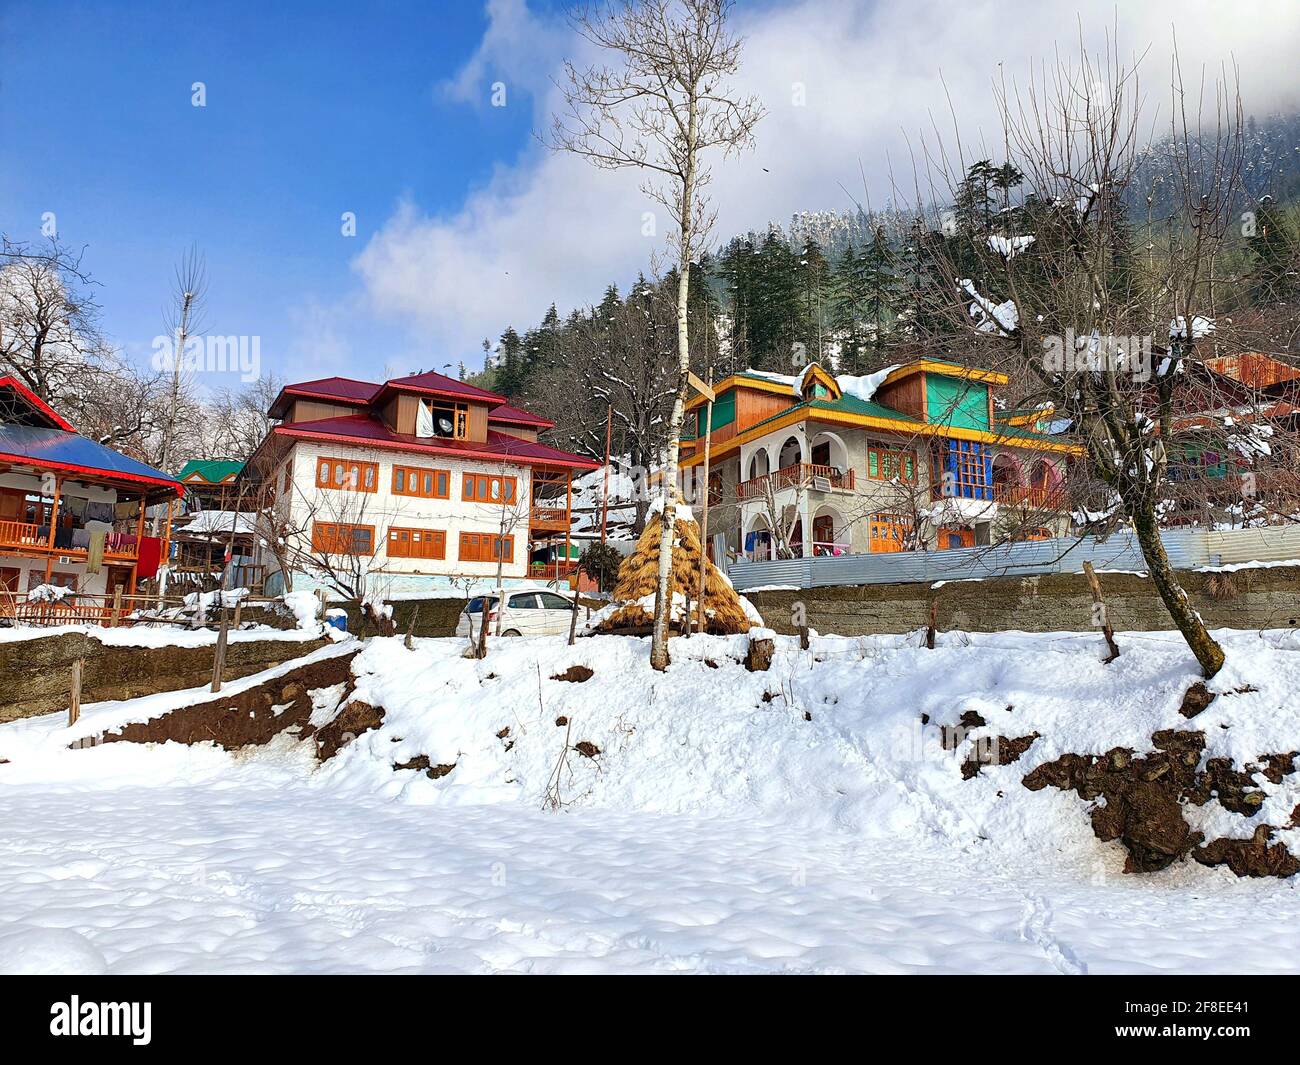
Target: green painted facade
{"points": [[956, 402]]}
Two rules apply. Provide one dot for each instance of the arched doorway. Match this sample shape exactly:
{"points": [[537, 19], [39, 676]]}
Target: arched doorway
{"points": [[829, 532], [791, 453], [1008, 477]]}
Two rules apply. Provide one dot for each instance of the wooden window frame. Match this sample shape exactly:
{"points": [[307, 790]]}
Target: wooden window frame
{"points": [[899, 459], [482, 547], [337, 480], [420, 472], [432, 543], [329, 538], [881, 521], [470, 483]]}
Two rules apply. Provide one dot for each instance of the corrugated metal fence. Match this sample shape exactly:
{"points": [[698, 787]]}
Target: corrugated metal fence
{"points": [[1187, 549]]}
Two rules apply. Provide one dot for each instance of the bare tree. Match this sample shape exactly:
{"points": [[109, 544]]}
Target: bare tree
{"points": [[1049, 288], [50, 341], [238, 421], [183, 318], [660, 110]]}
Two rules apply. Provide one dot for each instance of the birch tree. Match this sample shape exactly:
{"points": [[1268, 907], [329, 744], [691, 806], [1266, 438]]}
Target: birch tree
{"points": [[661, 106]]}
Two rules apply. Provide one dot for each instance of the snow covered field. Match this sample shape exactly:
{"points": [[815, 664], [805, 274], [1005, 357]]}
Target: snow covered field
{"points": [[816, 830]]}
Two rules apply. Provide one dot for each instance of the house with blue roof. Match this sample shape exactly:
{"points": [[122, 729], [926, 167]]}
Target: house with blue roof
{"points": [[73, 528]]}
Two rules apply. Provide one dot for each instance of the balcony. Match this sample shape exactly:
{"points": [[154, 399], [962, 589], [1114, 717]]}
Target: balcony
{"points": [[555, 519], [801, 473], [1034, 497], [29, 538]]}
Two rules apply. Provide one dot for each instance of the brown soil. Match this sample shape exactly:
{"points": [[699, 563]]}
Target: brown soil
{"points": [[1250, 857], [252, 716], [1004, 751], [758, 658], [422, 762], [1196, 699], [561, 721], [575, 674], [1144, 799], [355, 718], [586, 748]]}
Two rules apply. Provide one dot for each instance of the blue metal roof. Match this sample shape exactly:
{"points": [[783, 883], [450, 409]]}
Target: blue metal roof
{"points": [[53, 447]]}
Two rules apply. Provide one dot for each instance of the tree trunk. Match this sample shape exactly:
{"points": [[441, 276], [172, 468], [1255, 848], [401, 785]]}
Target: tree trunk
{"points": [[1208, 653], [663, 595]]}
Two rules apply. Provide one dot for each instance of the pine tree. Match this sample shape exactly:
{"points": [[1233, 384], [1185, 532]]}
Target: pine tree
{"points": [[1275, 276]]}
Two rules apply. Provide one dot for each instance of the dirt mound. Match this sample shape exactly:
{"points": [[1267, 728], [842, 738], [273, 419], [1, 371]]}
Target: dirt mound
{"points": [[1143, 799], [251, 716], [355, 718], [575, 674]]}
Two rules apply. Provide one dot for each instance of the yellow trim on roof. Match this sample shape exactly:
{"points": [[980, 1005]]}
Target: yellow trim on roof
{"points": [[738, 380], [888, 425], [992, 377]]}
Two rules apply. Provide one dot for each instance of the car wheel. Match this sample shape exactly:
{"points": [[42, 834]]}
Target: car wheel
{"points": [[511, 632]]}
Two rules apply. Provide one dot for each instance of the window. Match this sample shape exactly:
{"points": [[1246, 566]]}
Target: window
{"points": [[339, 538], [890, 532], [1034, 533], [522, 602], [485, 488], [446, 419], [347, 475], [421, 482], [417, 543], [886, 465], [963, 469], [551, 601], [288, 477], [484, 547]]}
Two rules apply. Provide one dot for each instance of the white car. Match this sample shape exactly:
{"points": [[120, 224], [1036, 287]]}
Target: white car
{"points": [[531, 610]]}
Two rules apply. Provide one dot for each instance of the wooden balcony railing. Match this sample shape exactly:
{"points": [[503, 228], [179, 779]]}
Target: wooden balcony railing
{"points": [[799, 474], [548, 518], [21, 534], [1039, 497], [36, 538]]}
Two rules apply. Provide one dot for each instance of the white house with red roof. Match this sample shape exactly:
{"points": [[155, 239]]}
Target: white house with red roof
{"points": [[425, 478]]}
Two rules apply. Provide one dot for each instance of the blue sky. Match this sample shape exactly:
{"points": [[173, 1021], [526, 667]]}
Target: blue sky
{"points": [[465, 224], [311, 111]]}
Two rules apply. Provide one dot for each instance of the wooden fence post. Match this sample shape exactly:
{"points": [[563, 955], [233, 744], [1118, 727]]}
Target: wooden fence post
{"points": [[115, 617], [74, 696], [1100, 616], [219, 655]]}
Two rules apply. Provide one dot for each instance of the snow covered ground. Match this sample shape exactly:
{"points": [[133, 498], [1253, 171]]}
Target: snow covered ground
{"points": [[797, 820]]}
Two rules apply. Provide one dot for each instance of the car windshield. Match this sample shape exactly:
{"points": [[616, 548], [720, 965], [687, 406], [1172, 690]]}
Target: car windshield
{"points": [[476, 604]]}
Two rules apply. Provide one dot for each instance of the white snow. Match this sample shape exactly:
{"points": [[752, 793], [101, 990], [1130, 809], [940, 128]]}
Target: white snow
{"points": [[822, 829]]}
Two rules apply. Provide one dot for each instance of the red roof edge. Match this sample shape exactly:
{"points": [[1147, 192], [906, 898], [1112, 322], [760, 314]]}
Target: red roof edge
{"points": [[57, 421], [93, 471]]}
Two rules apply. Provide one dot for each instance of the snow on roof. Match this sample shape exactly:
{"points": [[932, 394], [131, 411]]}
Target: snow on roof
{"points": [[219, 521]]}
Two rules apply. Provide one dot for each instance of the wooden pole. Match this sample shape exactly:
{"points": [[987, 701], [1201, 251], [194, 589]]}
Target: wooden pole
{"points": [[74, 695], [704, 516], [54, 524], [219, 655], [932, 628], [116, 616], [604, 510], [1100, 614]]}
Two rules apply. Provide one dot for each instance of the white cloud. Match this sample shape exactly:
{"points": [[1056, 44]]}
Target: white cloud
{"points": [[550, 228]]}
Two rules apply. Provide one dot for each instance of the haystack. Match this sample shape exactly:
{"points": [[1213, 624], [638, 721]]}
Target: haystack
{"points": [[632, 611]]}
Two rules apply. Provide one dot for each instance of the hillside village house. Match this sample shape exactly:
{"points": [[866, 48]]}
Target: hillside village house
{"points": [[72, 512], [417, 481], [915, 457]]}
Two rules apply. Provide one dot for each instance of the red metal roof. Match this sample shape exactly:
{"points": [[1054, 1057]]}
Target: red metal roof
{"points": [[441, 385], [508, 415], [1254, 369], [345, 390], [35, 405], [499, 447]]}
